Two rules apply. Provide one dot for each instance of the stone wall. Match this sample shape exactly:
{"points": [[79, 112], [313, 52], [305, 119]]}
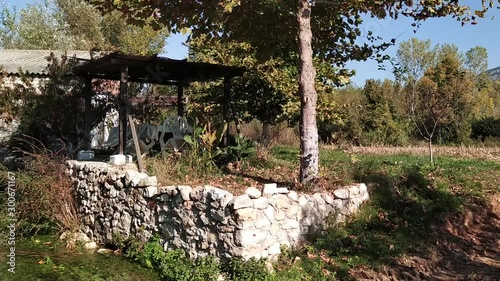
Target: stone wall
{"points": [[119, 202]]}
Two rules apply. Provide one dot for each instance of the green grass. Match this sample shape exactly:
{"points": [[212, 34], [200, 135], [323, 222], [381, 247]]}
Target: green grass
{"points": [[44, 258], [409, 199]]}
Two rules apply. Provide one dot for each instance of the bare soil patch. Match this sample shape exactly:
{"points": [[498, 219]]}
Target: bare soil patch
{"points": [[465, 247]]}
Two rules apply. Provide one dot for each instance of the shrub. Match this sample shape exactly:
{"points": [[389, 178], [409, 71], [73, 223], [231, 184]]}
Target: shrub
{"points": [[278, 134], [174, 265], [250, 270], [45, 199], [56, 113], [236, 152], [488, 127]]}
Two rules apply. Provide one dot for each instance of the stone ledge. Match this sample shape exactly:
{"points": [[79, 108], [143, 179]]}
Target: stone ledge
{"points": [[202, 220]]}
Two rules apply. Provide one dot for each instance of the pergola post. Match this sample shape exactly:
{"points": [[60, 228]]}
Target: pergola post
{"points": [[87, 95], [226, 105], [180, 99], [122, 113]]}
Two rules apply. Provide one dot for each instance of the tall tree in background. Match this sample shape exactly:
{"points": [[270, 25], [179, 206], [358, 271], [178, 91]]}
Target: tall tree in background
{"points": [[416, 57], [443, 96], [74, 24], [476, 60], [276, 26], [413, 58]]}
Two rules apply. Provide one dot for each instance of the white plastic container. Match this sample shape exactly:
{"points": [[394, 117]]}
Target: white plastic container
{"points": [[85, 155]]}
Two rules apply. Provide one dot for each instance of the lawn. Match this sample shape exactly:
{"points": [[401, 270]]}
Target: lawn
{"points": [[422, 220], [418, 217]]}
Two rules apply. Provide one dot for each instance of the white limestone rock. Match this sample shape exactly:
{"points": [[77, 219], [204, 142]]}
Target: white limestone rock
{"points": [[261, 203], [246, 214], [150, 191], [170, 190], [274, 249], [185, 191], [303, 200], [282, 190], [148, 181], [328, 199], [341, 193], [250, 237], [242, 201], [293, 196], [270, 189], [117, 159], [253, 192], [90, 246]]}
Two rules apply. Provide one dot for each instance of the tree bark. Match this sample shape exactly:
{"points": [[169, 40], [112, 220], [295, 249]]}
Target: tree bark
{"points": [[266, 133], [309, 150], [431, 155]]}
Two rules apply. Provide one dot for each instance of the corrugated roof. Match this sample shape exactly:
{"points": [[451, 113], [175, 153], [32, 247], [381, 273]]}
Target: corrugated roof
{"points": [[154, 69], [32, 61], [494, 73]]}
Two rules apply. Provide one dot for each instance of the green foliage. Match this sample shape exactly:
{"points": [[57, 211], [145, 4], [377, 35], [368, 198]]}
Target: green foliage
{"points": [[74, 24], [250, 270], [476, 59], [373, 115], [264, 91], [383, 120], [33, 27], [409, 201], [444, 89], [44, 119], [14, 98], [336, 25], [46, 258], [288, 25], [204, 144], [237, 151], [329, 118], [443, 98], [484, 128], [174, 265], [405, 204]]}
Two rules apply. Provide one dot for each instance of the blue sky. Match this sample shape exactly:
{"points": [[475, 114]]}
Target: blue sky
{"points": [[439, 31]]}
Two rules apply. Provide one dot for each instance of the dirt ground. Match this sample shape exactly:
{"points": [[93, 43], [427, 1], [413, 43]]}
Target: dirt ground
{"points": [[466, 247]]}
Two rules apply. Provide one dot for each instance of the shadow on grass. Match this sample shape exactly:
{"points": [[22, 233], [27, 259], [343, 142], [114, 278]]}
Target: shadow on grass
{"points": [[405, 214]]}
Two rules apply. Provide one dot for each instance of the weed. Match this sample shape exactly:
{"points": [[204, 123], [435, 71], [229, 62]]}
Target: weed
{"points": [[45, 198], [250, 270], [174, 265]]}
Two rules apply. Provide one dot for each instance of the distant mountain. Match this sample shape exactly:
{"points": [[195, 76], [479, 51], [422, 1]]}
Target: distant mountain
{"points": [[494, 72]]}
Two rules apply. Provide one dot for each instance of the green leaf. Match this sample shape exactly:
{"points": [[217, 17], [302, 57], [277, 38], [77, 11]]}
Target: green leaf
{"points": [[188, 139]]}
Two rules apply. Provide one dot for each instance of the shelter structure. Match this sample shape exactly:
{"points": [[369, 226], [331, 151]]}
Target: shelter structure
{"points": [[154, 70]]}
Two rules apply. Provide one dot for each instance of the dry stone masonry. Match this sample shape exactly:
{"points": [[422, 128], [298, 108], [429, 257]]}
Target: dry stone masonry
{"points": [[118, 202]]}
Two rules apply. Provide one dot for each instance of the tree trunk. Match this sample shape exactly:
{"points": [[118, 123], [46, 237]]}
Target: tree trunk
{"points": [[431, 156], [266, 133], [309, 150]]}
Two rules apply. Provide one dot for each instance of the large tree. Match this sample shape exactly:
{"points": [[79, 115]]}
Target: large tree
{"points": [[277, 26], [75, 24], [443, 98]]}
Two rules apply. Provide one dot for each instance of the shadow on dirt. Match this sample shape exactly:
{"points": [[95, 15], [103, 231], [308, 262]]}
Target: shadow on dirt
{"points": [[414, 230]]}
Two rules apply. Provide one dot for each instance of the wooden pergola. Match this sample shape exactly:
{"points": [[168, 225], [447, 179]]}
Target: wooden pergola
{"points": [[151, 70]]}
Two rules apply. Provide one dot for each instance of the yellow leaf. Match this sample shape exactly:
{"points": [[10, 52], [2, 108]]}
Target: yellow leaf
{"points": [[185, 30]]}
